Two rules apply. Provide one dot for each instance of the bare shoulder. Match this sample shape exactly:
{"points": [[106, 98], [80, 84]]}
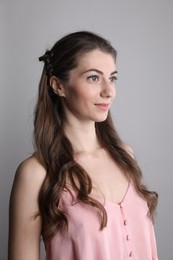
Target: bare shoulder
{"points": [[28, 180], [31, 171], [129, 150], [25, 222]]}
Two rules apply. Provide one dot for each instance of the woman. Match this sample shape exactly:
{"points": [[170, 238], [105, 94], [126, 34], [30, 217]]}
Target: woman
{"points": [[81, 190]]}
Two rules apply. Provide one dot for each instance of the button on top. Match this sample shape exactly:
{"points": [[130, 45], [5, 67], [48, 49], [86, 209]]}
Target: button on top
{"points": [[125, 222], [127, 238]]}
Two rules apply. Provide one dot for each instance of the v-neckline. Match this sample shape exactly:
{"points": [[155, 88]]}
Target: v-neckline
{"points": [[108, 201], [123, 198], [103, 199]]}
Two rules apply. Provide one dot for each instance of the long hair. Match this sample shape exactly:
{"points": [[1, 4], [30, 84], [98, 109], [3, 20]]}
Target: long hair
{"points": [[54, 149]]}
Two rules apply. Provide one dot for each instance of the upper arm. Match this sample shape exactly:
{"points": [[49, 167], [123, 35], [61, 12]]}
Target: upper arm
{"points": [[24, 224]]}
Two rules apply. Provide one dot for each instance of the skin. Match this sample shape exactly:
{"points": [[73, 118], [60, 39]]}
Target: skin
{"points": [[24, 228], [87, 98], [91, 89]]}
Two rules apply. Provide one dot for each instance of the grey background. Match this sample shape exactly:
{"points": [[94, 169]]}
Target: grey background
{"points": [[142, 33]]}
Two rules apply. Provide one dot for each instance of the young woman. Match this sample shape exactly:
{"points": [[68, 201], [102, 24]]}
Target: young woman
{"points": [[82, 189]]}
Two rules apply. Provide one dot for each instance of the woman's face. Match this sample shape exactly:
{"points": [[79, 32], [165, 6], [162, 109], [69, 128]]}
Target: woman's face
{"points": [[90, 90]]}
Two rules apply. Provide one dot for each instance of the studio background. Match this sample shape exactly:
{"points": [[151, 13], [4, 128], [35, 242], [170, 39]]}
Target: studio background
{"points": [[142, 33]]}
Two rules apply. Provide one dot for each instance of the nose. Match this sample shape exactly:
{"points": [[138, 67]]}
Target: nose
{"points": [[108, 89]]}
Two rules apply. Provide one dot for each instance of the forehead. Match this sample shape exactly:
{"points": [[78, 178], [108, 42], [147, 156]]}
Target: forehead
{"points": [[96, 59]]}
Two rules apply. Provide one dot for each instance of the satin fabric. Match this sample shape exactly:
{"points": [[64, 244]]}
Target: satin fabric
{"points": [[129, 233]]}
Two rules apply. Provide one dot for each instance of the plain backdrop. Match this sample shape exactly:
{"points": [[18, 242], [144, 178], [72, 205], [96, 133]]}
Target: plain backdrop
{"points": [[142, 33]]}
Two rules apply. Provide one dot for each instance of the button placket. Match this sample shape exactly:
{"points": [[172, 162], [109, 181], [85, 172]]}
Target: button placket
{"points": [[126, 232], [125, 222]]}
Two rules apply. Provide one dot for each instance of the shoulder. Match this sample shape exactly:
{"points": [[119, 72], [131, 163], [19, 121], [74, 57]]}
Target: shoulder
{"points": [[31, 169], [25, 221], [29, 176], [27, 183], [129, 150]]}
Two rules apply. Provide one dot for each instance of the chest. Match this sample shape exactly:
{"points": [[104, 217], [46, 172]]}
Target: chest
{"points": [[107, 178], [127, 230]]}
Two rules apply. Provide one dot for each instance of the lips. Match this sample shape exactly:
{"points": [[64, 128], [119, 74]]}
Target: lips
{"points": [[102, 106]]}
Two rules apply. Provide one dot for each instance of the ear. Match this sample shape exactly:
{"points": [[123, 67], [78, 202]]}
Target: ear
{"points": [[57, 86]]}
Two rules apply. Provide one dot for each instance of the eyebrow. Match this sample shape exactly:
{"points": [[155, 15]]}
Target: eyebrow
{"points": [[98, 71]]}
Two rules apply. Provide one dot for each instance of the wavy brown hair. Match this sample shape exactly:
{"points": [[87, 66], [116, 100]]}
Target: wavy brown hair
{"points": [[54, 149]]}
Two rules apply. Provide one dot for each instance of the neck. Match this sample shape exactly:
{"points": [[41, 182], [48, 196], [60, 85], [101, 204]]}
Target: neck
{"points": [[82, 137]]}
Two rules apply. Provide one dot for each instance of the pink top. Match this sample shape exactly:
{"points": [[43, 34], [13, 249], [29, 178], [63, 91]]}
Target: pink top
{"points": [[129, 233]]}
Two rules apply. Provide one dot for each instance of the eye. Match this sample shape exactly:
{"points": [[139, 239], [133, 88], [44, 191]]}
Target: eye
{"points": [[113, 78], [93, 78]]}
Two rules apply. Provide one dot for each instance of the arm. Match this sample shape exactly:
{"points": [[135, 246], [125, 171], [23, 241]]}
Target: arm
{"points": [[24, 226]]}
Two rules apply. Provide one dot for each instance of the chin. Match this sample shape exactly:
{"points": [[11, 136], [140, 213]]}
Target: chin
{"points": [[102, 119]]}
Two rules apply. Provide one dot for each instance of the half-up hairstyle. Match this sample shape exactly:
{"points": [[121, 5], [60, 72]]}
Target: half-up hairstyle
{"points": [[54, 149]]}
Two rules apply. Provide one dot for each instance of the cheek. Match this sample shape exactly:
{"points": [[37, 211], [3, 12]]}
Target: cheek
{"points": [[79, 96]]}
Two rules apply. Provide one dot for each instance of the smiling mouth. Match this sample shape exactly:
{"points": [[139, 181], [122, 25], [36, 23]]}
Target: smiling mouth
{"points": [[102, 106]]}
